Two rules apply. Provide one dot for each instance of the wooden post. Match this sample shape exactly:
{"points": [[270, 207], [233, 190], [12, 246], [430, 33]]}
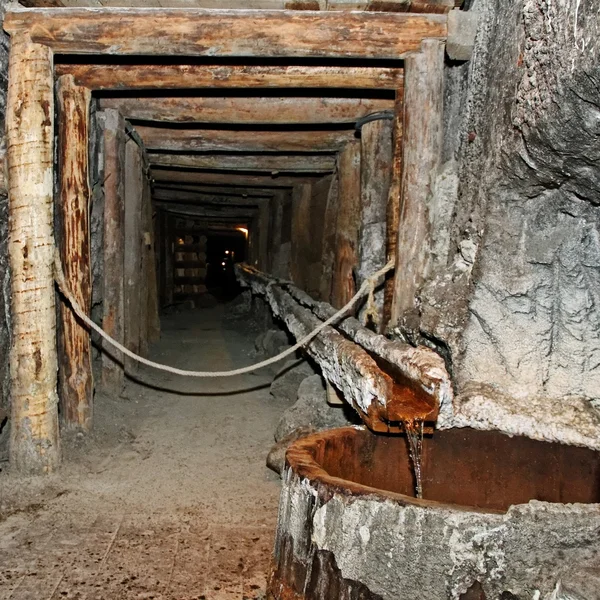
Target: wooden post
{"points": [[264, 235], [329, 240], [153, 327], [34, 442], [301, 234], [168, 244], [134, 188], [73, 238], [114, 247], [393, 205], [348, 222], [423, 138], [375, 178]]}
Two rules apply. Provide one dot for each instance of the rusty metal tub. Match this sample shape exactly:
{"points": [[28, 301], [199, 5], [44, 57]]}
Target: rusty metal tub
{"points": [[500, 515]]}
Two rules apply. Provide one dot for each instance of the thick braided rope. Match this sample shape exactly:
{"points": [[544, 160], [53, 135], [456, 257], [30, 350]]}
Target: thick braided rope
{"points": [[59, 277]]}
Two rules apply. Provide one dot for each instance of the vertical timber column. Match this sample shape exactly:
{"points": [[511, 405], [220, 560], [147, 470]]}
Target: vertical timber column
{"points": [[263, 234], [73, 239], [34, 443], [134, 195], [301, 234], [113, 321], [348, 223], [329, 240], [393, 205], [376, 175], [423, 138]]}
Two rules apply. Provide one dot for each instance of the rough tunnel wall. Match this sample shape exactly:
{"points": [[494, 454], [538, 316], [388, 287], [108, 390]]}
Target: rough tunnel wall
{"points": [[4, 272], [513, 293]]}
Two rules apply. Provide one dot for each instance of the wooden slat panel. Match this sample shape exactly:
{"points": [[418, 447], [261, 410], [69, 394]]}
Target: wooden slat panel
{"points": [[231, 179], [168, 32], [145, 77], [248, 110]]}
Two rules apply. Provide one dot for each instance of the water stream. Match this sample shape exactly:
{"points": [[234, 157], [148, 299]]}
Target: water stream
{"points": [[414, 436]]}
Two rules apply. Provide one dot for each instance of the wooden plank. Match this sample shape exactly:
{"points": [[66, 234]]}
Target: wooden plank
{"points": [[134, 188], [264, 234], [301, 234], [113, 321], [393, 206], [217, 190], [34, 440], [183, 32], [171, 77], [248, 110], [190, 196], [297, 163], [230, 179], [375, 180], [423, 140], [226, 140], [348, 222], [329, 240], [75, 352], [209, 212]]}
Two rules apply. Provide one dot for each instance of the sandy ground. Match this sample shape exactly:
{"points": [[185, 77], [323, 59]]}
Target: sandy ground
{"points": [[169, 499]]}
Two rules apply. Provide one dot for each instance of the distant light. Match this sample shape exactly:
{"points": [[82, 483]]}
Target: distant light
{"points": [[243, 230], [223, 264], [226, 251]]}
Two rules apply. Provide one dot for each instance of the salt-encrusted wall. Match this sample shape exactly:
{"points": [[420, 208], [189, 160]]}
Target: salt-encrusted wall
{"points": [[4, 272], [512, 292]]}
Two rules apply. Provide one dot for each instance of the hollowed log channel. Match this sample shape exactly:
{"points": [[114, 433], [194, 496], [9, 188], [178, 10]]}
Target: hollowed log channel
{"points": [[350, 527]]}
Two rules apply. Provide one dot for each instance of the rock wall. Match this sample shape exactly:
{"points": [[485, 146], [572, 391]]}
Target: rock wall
{"points": [[4, 271], [512, 292]]}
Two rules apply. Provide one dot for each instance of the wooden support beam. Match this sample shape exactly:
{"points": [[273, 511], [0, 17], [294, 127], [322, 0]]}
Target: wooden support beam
{"points": [[286, 163], [264, 234], [329, 240], [348, 223], [224, 192], [210, 212], [167, 195], [172, 77], [248, 110], [237, 180], [34, 440], [183, 32], [301, 234], [133, 297], [423, 139], [75, 379], [375, 179], [393, 206], [225, 140], [113, 322]]}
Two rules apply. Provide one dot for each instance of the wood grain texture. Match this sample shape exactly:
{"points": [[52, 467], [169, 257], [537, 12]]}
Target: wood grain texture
{"points": [[74, 194], [347, 226], [165, 77], [225, 140], [247, 110], [113, 321], [280, 163], [423, 139], [34, 441], [184, 32]]}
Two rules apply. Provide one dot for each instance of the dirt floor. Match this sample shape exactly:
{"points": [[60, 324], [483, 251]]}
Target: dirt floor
{"points": [[169, 498]]}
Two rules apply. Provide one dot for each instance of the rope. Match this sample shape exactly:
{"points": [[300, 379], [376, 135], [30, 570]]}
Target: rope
{"points": [[59, 277]]}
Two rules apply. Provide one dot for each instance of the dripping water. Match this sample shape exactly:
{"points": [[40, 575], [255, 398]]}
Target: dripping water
{"points": [[414, 436]]}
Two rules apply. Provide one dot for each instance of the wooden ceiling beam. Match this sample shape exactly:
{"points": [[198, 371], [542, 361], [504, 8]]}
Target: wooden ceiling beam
{"points": [[219, 190], [248, 110], [242, 33], [221, 140], [174, 77], [230, 179], [241, 162], [179, 195], [233, 213]]}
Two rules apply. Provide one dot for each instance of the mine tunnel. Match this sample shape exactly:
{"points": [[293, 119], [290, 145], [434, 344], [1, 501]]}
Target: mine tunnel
{"points": [[300, 300]]}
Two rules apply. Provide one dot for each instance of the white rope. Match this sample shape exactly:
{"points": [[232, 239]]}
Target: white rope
{"points": [[59, 277]]}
